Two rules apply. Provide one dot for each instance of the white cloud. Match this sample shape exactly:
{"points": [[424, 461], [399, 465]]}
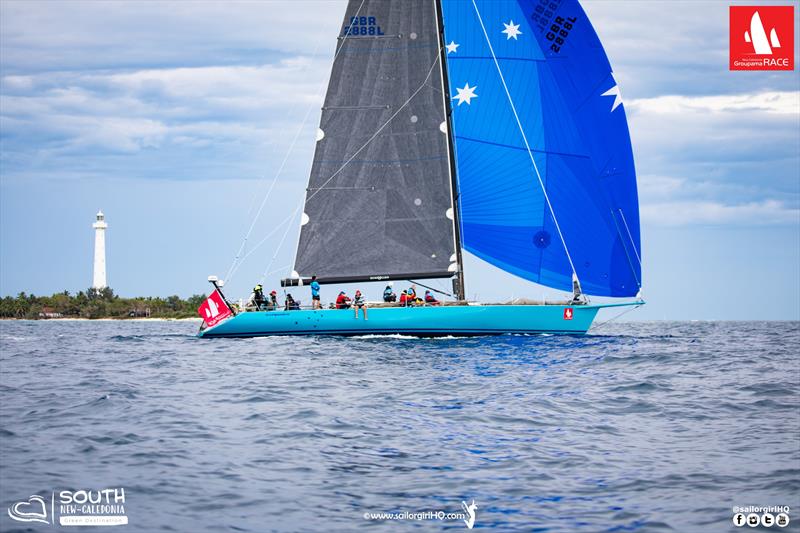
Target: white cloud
{"points": [[659, 186], [116, 134], [682, 213], [292, 81], [784, 103], [684, 52], [718, 159], [66, 112], [18, 83], [675, 201], [59, 35]]}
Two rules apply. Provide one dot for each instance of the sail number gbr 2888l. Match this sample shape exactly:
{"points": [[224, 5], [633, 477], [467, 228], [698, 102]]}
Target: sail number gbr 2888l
{"points": [[362, 26], [556, 30], [559, 31]]}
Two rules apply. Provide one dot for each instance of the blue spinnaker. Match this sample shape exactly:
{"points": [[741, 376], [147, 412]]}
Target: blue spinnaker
{"points": [[568, 104]]}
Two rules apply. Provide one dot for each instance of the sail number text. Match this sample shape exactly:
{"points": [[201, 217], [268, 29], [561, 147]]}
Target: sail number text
{"points": [[556, 30], [559, 31], [363, 26]]}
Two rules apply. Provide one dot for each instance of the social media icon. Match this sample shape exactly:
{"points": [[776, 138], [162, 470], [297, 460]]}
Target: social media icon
{"points": [[767, 520], [739, 519], [753, 520], [782, 520]]}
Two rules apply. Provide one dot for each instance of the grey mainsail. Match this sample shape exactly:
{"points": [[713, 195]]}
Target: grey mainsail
{"points": [[382, 207]]}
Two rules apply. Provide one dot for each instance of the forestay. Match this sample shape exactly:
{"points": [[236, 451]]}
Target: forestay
{"points": [[569, 106]]}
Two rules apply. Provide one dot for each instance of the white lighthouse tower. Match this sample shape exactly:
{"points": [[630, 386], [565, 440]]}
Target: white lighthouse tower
{"points": [[99, 280]]}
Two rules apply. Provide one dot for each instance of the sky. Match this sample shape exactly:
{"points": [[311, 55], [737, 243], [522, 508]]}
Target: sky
{"points": [[176, 118]]}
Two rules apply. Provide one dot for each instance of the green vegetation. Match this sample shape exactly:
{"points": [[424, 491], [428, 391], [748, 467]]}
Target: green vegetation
{"points": [[94, 303]]}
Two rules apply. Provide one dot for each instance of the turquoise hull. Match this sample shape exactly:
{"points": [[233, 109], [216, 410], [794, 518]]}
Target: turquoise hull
{"points": [[433, 321]]}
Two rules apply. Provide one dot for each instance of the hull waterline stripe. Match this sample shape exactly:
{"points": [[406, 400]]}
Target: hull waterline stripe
{"points": [[414, 331]]}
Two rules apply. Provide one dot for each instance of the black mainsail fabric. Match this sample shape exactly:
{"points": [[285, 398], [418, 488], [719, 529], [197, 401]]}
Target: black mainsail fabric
{"points": [[387, 213]]}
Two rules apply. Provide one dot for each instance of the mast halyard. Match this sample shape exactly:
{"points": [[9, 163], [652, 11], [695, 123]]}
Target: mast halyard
{"points": [[458, 282]]}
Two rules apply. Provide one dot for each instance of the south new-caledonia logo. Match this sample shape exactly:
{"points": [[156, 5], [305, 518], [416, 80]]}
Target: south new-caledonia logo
{"points": [[34, 509], [104, 507], [761, 38]]}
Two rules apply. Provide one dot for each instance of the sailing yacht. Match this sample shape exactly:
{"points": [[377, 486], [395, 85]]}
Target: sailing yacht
{"points": [[491, 126]]}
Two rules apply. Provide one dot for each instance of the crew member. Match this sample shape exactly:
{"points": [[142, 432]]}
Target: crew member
{"points": [[290, 304], [389, 295], [359, 303], [412, 295], [342, 301], [315, 304], [273, 300], [258, 297], [429, 299], [405, 301]]}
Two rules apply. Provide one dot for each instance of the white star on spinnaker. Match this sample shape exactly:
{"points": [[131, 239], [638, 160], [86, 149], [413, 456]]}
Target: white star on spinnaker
{"points": [[614, 91], [466, 94], [512, 30], [452, 47]]}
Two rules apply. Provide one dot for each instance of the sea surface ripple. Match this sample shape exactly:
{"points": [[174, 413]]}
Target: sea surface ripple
{"points": [[661, 426]]}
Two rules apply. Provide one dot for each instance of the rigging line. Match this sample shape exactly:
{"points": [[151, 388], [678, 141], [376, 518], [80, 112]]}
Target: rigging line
{"points": [[601, 324], [263, 240], [291, 148], [525, 139], [430, 288], [625, 249], [322, 187], [399, 109], [278, 249], [232, 269], [633, 244], [372, 138], [269, 191], [275, 271], [296, 248]]}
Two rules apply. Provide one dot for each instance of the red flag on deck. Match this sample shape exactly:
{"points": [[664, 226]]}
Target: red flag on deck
{"points": [[214, 309]]}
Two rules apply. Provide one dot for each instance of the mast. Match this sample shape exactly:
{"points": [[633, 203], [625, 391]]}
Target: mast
{"points": [[458, 282]]}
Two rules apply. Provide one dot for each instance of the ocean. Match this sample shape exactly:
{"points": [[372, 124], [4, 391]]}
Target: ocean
{"points": [[659, 426]]}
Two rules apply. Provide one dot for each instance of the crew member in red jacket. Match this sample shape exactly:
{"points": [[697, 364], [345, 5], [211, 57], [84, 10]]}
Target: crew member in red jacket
{"points": [[342, 301], [429, 299], [405, 301]]}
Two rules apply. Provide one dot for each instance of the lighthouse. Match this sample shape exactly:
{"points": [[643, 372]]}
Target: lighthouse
{"points": [[99, 280]]}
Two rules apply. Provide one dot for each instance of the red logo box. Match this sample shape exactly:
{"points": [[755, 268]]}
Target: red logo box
{"points": [[762, 38]]}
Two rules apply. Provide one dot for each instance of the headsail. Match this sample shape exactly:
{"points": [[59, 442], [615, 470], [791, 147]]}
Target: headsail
{"points": [[546, 58], [379, 200]]}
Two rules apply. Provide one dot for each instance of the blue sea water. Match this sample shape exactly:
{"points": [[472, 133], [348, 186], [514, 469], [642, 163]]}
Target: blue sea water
{"points": [[661, 426]]}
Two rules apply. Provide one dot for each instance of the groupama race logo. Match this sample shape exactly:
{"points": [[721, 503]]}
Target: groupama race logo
{"points": [[761, 37]]}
